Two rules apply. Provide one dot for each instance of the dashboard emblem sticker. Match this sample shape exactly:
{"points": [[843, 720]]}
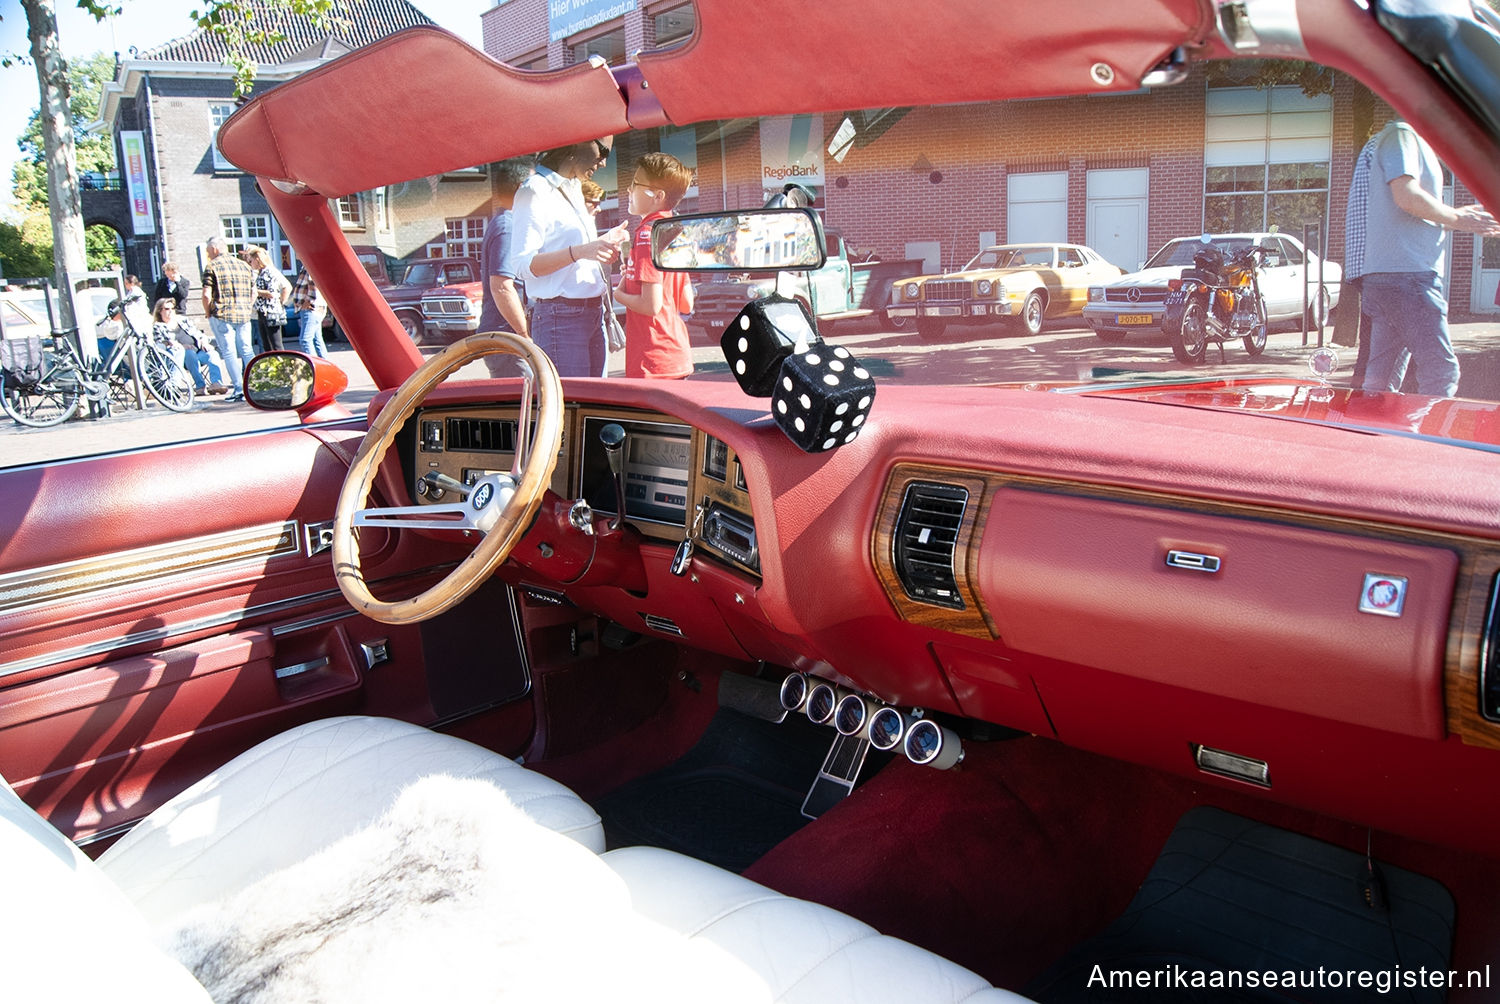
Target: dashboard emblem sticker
{"points": [[1383, 594], [482, 496]]}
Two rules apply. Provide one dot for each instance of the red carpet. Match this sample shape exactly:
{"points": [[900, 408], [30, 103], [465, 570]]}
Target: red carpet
{"points": [[1030, 847]]}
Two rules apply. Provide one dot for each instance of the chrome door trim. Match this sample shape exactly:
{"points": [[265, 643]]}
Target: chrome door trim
{"points": [[68, 580], [162, 633]]}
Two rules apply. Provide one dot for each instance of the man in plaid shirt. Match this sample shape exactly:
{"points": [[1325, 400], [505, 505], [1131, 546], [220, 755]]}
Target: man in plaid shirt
{"points": [[310, 308], [229, 302]]}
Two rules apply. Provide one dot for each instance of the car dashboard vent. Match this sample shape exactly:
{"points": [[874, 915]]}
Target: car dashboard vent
{"points": [[926, 538], [481, 435]]}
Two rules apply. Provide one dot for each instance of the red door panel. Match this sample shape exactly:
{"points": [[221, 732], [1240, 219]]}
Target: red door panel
{"points": [[162, 610]]}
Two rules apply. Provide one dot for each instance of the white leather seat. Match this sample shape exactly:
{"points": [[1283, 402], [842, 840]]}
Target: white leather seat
{"points": [[804, 952], [298, 792], [67, 932]]}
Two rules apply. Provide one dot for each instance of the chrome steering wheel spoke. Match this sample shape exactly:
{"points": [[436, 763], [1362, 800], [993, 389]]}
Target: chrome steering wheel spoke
{"points": [[487, 499]]}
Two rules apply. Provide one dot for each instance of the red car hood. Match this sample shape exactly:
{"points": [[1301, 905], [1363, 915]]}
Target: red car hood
{"points": [[1475, 424]]}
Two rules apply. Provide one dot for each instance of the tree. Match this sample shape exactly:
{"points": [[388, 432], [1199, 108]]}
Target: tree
{"points": [[86, 79], [245, 25], [26, 247], [59, 153], [235, 21]]}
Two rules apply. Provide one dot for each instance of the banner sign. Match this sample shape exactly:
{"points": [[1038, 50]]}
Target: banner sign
{"points": [[791, 150], [137, 187], [569, 17]]}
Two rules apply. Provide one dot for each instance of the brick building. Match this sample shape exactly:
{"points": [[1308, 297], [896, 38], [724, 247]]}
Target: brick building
{"points": [[163, 110], [937, 184]]}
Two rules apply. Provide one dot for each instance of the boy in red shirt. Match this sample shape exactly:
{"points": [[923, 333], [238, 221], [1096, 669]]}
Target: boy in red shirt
{"points": [[656, 340]]}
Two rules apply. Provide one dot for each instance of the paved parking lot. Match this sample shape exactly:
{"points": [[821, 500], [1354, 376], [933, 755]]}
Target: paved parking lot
{"points": [[966, 355]]}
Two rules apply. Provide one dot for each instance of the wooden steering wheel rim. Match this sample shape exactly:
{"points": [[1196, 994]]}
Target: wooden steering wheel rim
{"points": [[496, 545]]}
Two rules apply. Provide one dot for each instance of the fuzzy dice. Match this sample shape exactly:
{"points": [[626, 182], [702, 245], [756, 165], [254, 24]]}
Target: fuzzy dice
{"points": [[761, 336], [822, 397]]}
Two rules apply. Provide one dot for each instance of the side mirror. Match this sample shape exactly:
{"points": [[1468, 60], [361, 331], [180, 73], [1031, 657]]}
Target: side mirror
{"points": [[278, 381]]}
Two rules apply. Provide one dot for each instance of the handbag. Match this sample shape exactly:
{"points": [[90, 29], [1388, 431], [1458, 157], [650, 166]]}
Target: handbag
{"points": [[613, 331]]}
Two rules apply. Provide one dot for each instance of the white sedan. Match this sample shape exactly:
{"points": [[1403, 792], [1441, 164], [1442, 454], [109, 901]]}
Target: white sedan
{"points": [[1290, 280]]}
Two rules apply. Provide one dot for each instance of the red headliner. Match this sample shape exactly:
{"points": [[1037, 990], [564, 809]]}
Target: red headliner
{"points": [[456, 107]]}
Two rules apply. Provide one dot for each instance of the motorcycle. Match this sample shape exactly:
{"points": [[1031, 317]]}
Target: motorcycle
{"points": [[1217, 299]]}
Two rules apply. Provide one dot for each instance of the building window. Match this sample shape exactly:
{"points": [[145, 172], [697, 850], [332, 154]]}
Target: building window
{"points": [[610, 47], [218, 114], [351, 212], [381, 200], [675, 26], [682, 144], [464, 237], [240, 232], [1266, 155]]}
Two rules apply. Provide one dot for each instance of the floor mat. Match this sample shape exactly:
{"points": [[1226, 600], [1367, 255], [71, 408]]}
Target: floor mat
{"points": [[1230, 899], [733, 797]]}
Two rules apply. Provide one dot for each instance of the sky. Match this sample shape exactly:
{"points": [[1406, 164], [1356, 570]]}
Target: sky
{"points": [[144, 24]]}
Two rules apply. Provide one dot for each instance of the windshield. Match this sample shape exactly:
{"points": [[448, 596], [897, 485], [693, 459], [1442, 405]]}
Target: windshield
{"points": [[421, 274], [1181, 252], [1085, 191]]}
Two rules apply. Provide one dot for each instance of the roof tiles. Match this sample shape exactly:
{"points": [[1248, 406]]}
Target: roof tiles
{"points": [[351, 23]]}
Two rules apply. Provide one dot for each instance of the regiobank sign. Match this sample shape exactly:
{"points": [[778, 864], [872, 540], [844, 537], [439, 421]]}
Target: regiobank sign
{"points": [[791, 150], [569, 17]]}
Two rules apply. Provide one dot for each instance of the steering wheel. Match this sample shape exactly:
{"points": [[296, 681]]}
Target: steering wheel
{"points": [[499, 506]]}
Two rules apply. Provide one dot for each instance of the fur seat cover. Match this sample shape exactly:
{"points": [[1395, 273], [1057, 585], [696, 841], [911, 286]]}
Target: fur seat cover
{"points": [[453, 895]]}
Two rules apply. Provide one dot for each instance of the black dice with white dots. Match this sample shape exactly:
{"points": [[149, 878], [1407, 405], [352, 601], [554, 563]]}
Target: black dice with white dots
{"points": [[764, 333], [822, 398]]}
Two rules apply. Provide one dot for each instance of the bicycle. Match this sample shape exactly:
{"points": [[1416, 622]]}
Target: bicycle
{"points": [[49, 393]]}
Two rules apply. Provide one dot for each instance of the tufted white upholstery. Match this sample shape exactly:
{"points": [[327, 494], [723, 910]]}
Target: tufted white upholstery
{"points": [[70, 929], [805, 953], [297, 793]]}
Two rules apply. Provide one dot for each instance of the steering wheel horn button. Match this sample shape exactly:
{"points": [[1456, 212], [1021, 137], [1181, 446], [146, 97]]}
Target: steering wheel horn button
{"points": [[1383, 594], [482, 496]]}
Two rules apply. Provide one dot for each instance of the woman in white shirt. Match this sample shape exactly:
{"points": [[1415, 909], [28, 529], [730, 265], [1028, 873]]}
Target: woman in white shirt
{"points": [[556, 251], [171, 329]]}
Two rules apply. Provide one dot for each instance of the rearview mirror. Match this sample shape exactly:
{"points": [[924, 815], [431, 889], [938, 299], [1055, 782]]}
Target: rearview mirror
{"points": [[751, 240]]}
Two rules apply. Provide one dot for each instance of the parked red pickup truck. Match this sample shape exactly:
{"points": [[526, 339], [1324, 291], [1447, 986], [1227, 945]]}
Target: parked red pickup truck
{"points": [[404, 283]]}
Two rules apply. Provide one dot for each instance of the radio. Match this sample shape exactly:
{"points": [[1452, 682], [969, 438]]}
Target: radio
{"points": [[732, 534]]}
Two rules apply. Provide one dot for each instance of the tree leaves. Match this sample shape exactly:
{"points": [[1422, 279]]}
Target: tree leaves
{"points": [[246, 26]]}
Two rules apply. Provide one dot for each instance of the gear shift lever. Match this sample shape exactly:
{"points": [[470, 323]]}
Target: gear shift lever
{"points": [[613, 438]]}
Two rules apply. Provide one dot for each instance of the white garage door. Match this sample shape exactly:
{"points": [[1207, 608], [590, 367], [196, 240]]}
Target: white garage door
{"points": [[929, 252], [1117, 215], [1037, 207]]}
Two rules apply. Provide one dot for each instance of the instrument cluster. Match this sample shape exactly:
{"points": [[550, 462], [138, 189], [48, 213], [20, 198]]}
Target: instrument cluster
{"points": [[678, 484]]}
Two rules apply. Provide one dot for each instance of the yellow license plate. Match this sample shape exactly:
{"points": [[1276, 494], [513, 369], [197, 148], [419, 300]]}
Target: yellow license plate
{"points": [[1134, 319]]}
